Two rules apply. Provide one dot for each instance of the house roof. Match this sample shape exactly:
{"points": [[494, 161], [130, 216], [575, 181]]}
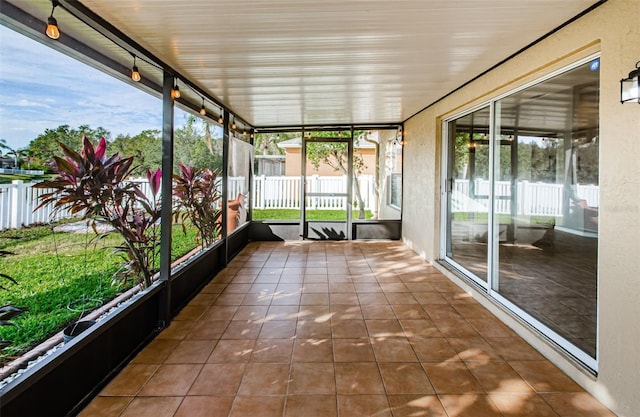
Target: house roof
{"points": [[295, 143]]}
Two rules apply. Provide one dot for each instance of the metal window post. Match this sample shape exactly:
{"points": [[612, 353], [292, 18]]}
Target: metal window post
{"points": [[225, 183], [166, 195]]}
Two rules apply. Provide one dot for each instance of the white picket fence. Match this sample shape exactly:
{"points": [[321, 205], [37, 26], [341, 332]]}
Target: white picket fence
{"points": [[18, 200], [533, 198], [271, 192], [17, 203]]}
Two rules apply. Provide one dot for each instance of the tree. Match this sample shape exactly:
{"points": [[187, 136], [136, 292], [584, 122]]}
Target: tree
{"points": [[267, 143], [146, 147], [44, 147], [195, 145], [335, 155]]}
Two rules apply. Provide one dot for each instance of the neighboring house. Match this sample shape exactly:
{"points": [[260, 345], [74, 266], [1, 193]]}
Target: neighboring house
{"points": [[7, 162], [292, 148]]}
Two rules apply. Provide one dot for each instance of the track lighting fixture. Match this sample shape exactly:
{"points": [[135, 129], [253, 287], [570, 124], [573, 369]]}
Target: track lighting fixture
{"points": [[203, 111], [175, 91], [135, 74], [52, 24]]}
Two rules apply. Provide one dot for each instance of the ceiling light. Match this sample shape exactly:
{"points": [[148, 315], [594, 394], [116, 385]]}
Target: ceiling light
{"points": [[135, 74], [203, 111], [175, 91], [52, 24]]}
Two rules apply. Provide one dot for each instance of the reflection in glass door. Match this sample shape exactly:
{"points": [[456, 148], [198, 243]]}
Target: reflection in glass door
{"points": [[467, 186], [548, 265], [528, 229], [327, 181]]}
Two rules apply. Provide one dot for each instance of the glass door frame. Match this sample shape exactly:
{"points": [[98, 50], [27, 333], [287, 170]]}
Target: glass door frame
{"points": [[446, 185], [492, 285], [304, 223]]}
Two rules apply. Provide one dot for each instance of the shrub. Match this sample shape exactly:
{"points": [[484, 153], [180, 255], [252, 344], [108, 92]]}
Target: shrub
{"points": [[94, 187], [198, 197]]}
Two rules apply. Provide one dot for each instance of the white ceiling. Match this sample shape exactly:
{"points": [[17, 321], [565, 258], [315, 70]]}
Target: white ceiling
{"points": [[303, 62]]}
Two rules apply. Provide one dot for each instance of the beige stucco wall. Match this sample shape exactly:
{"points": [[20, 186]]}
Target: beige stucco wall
{"points": [[612, 29], [292, 163]]}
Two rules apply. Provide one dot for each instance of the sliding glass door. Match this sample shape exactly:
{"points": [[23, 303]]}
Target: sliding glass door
{"points": [[467, 184], [522, 203]]}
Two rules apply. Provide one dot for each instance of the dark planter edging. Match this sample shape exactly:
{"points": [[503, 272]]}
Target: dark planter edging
{"points": [[191, 276], [54, 340], [279, 230], [63, 383], [76, 329]]}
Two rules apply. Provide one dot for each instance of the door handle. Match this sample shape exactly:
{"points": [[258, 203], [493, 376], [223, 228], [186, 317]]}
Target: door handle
{"points": [[449, 185]]}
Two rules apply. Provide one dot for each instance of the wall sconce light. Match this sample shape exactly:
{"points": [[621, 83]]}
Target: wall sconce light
{"points": [[175, 91], [221, 117], [399, 136], [52, 24], [629, 91], [203, 111], [135, 74], [233, 124]]}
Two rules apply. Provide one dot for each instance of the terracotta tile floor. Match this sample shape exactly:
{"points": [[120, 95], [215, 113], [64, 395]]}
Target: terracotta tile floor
{"points": [[556, 283], [305, 329]]}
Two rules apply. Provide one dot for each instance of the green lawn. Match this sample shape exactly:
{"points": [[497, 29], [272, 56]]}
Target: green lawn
{"points": [[58, 278], [287, 214], [7, 178]]}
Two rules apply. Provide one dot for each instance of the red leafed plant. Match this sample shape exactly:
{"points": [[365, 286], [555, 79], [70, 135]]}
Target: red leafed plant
{"points": [[197, 199], [91, 185]]}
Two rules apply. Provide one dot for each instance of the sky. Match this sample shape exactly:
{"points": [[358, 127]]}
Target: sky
{"points": [[41, 88]]}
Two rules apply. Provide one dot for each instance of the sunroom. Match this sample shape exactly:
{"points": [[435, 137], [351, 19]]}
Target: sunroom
{"points": [[421, 207]]}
